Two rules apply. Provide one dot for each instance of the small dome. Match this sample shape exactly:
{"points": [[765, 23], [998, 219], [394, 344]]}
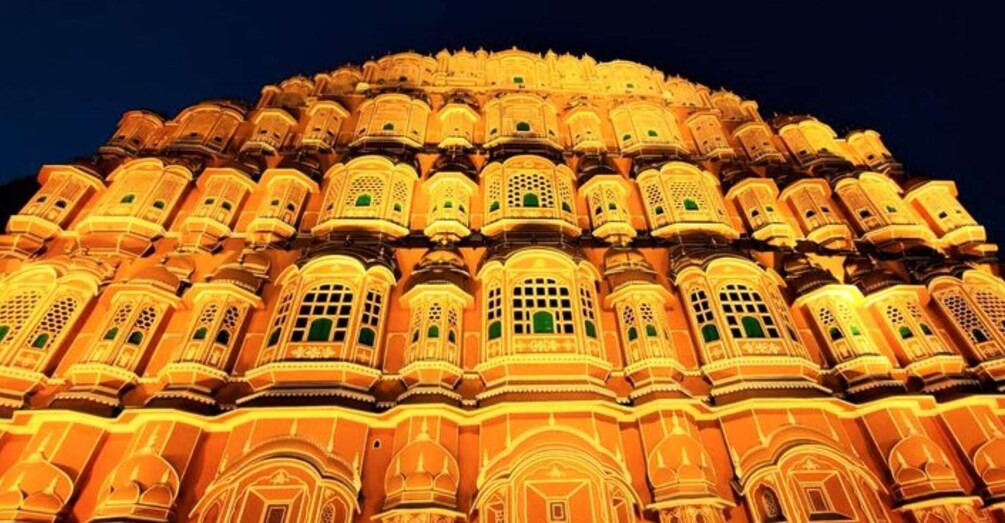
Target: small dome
{"points": [[159, 277], [421, 472], [441, 266], [625, 265], [803, 275], [596, 165], [867, 275], [455, 163]]}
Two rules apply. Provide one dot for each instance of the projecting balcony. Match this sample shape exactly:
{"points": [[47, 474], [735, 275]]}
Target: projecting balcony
{"points": [[308, 372], [95, 387], [495, 139], [656, 377], [554, 364]]}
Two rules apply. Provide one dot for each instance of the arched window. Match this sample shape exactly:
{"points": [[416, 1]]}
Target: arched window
{"points": [[129, 198], [542, 305], [523, 127], [905, 332], [746, 313], [332, 304], [530, 200], [690, 205], [199, 334], [751, 327], [770, 507], [363, 200], [704, 317]]}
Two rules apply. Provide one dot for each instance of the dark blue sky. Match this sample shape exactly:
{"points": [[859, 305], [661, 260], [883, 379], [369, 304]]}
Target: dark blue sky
{"points": [[926, 77]]}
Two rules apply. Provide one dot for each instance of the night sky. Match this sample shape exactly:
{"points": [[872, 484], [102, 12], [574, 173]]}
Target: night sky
{"points": [[926, 77]]}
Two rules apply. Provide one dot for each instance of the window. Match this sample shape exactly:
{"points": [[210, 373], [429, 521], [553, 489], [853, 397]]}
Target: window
{"points": [[3, 331], [746, 312], [274, 514], [433, 332], [531, 200], [331, 302], [818, 503], [159, 204], [523, 127], [835, 334], [703, 316], [542, 306], [652, 133], [518, 80], [363, 200], [690, 205], [129, 198], [199, 334], [370, 318], [905, 332], [557, 511], [388, 126], [495, 330]]}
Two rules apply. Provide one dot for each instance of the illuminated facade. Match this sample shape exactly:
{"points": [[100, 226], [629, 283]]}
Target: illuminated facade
{"points": [[497, 287]]}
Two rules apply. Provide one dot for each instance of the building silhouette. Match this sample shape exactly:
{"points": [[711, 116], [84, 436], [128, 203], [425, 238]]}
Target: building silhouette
{"points": [[497, 287]]}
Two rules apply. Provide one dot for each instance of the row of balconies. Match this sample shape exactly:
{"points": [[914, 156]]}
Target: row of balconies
{"points": [[226, 205]]}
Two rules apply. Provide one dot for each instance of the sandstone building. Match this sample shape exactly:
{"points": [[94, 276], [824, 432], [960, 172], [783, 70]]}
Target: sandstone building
{"points": [[497, 287]]}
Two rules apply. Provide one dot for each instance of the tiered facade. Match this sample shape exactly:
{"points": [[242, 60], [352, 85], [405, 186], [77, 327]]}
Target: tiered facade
{"points": [[497, 287]]}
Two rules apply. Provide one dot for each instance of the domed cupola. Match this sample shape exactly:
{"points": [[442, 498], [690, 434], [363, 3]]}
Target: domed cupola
{"points": [[845, 336], [804, 276], [640, 301], [436, 293], [452, 183], [422, 477], [606, 192]]}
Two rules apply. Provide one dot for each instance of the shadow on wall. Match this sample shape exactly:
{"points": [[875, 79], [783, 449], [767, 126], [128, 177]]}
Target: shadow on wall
{"points": [[13, 196]]}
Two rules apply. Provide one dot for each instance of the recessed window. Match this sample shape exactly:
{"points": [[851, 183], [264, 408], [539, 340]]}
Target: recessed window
{"points": [[388, 126], [523, 127], [690, 205], [129, 198], [159, 204], [518, 79]]}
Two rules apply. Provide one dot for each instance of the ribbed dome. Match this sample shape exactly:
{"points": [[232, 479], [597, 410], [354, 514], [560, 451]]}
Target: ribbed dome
{"points": [[441, 266]]}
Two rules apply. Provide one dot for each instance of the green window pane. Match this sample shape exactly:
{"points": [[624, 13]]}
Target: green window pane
{"points": [[274, 337], [41, 341], [612, 206], [565, 207], [451, 337], [433, 332], [709, 333], [855, 331], [518, 79], [530, 200], [835, 333], [523, 127], [690, 205], [591, 329], [200, 334], [658, 210], [363, 200], [633, 334], [495, 330], [925, 329], [110, 334], [159, 204], [448, 204], [905, 333], [397, 207], [751, 327], [3, 331], [135, 338], [494, 206], [129, 198], [652, 133], [320, 330], [651, 331], [226, 206], [223, 337], [388, 126], [544, 323], [367, 336], [626, 137]]}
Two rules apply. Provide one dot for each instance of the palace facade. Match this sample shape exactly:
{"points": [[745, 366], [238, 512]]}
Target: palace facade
{"points": [[497, 287]]}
